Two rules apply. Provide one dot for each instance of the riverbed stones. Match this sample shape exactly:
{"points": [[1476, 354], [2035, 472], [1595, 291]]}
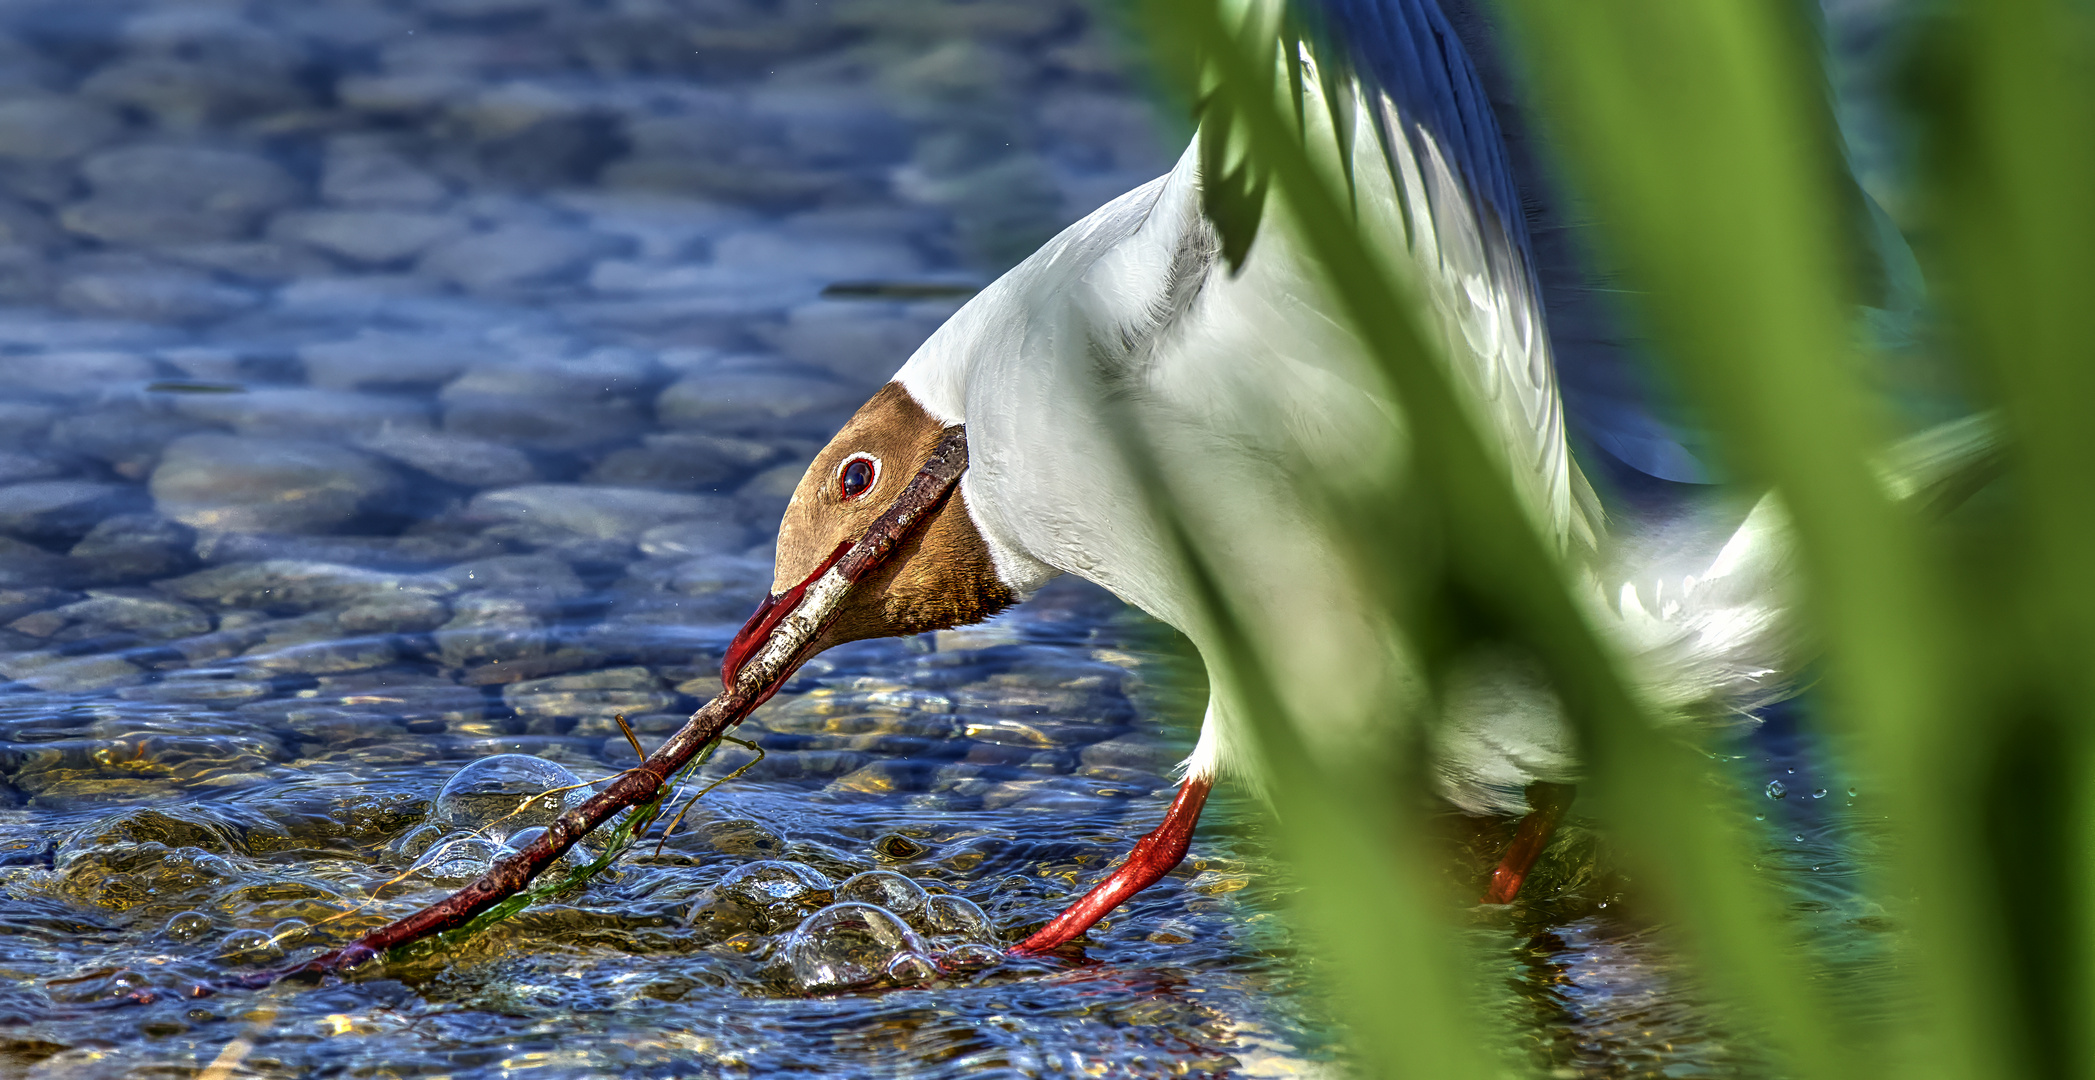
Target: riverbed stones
{"points": [[361, 170], [489, 629], [305, 412], [49, 509], [150, 617], [754, 401], [133, 547], [516, 256], [597, 512], [715, 533], [172, 193], [152, 293], [683, 461], [72, 372], [382, 359], [25, 565], [542, 580], [53, 128], [369, 237], [397, 613], [58, 672], [459, 459], [591, 698], [541, 406], [289, 585], [242, 484]]}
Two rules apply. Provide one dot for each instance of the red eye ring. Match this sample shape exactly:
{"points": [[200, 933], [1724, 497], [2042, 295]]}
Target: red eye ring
{"points": [[857, 475]]}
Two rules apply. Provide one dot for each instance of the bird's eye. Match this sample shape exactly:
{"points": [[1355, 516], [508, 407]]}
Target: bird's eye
{"points": [[857, 476]]}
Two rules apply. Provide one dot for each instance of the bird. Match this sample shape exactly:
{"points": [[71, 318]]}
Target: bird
{"points": [[1146, 376]]}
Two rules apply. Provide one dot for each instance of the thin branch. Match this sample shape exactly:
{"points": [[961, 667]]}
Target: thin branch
{"points": [[760, 676]]}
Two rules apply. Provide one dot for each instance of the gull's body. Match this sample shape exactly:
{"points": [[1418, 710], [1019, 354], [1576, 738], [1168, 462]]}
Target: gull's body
{"points": [[1124, 383]]}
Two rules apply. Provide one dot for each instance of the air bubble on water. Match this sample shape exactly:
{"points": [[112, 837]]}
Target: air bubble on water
{"points": [[249, 947], [522, 838], [416, 842], [461, 858], [1777, 789], [884, 888], [486, 795], [846, 945], [773, 881], [187, 926], [946, 914], [290, 933], [909, 968], [973, 956]]}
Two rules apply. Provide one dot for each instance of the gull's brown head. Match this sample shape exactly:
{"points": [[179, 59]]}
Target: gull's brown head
{"points": [[940, 575]]}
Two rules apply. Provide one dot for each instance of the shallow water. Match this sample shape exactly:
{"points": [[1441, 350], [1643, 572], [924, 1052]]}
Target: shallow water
{"points": [[385, 387]]}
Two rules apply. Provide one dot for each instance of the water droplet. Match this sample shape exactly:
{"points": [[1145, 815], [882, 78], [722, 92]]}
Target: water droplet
{"points": [[884, 888], [1789, 772], [846, 945], [498, 795], [1760, 817], [1851, 793], [1776, 789], [459, 859], [1818, 793], [187, 926], [1800, 838]]}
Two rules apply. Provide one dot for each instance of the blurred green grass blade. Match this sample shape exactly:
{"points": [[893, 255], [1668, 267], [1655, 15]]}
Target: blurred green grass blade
{"points": [[1389, 965], [1645, 783], [1696, 130], [2008, 117]]}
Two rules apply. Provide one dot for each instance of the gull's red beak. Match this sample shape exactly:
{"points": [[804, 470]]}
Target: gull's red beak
{"points": [[768, 615]]}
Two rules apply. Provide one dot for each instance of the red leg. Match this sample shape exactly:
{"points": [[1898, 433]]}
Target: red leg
{"points": [[1546, 806], [1154, 856]]}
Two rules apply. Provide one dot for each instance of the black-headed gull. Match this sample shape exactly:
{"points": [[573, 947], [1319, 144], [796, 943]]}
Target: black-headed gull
{"points": [[1130, 335]]}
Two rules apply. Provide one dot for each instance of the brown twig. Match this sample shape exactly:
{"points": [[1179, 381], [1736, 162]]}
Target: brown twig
{"points": [[786, 649]]}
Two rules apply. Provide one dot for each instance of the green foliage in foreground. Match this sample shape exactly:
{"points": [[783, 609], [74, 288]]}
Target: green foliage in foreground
{"points": [[1958, 672]]}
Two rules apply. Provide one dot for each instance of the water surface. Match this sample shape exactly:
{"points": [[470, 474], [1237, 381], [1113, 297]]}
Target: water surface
{"points": [[388, 386]]}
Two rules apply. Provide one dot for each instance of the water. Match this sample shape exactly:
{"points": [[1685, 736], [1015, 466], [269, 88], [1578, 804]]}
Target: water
{"points": [[391, 393]]}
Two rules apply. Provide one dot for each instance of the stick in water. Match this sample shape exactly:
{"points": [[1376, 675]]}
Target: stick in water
{"points": [[783, 652]]}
